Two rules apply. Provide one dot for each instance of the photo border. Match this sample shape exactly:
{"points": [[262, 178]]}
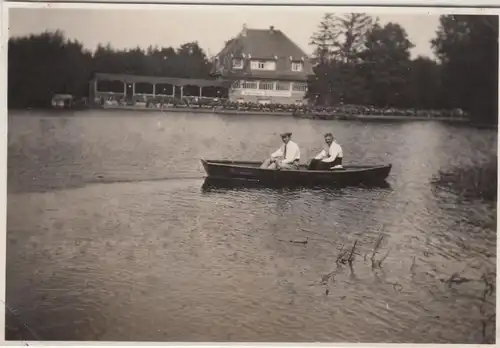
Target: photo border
{"points": [[490, 7]]}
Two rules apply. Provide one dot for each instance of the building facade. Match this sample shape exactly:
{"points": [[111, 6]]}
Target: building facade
{"points": [[265, 66]]}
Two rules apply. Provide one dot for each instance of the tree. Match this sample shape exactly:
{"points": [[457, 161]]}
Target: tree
{"points": [[467, 47], [163, 61], [40, 66], [424, 88], [338, 42], [352, 29], [349, 82], [193, 60], [386, 62], [324, 39]]}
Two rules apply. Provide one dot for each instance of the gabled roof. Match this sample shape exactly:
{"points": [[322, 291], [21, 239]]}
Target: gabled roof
{"points": [[265, 44]]}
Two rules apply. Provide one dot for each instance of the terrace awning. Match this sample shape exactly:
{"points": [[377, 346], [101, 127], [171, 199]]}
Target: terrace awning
{"points": [[165, 80]]}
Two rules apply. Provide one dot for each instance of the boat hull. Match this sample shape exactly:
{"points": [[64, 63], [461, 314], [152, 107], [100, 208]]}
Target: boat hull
{"points": [[250, 172]]}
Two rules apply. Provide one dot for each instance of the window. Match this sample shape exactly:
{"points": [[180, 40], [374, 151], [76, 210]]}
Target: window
{"points": [[236, 84], [257, 64], [263, 65], [238, 63], [297, 66], [265, 85], [249, 85], [299, 87], [283, 86]]}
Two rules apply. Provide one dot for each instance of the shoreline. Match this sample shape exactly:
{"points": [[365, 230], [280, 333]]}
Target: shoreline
{"points": [[199, 111], [341, 117], [337, 117], [287, 113]]}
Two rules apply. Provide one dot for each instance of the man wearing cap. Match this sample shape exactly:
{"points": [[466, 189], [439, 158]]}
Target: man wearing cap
{"points": [[286, 157], [330, 157]]}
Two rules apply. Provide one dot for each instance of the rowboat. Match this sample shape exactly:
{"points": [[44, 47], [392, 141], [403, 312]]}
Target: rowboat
{"points": [[250, 172]]}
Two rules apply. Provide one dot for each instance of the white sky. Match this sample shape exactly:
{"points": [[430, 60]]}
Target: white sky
{"points": [[209, 25]]}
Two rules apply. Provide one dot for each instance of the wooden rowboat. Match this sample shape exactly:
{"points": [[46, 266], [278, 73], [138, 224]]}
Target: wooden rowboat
{"points": [[250, 171]]}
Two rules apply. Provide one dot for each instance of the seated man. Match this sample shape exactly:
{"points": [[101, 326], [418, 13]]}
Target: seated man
{"points": [[286, 157], [330, 157]]}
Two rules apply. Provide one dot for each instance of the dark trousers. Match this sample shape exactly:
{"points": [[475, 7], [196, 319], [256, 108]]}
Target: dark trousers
{"points": [[320, 165]]}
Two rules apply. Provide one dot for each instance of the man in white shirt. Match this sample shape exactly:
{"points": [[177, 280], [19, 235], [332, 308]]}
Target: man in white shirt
{"points": [[330, 157], [286, 157]]}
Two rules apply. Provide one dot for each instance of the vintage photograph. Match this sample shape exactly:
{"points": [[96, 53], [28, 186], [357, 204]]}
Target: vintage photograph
{"points": [[251, 174]]}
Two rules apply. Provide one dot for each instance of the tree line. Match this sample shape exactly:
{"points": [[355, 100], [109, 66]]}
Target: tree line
{"points": [[357, 61], [40, 66]]}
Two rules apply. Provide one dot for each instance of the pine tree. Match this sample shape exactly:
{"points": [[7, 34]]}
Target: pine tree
{"points": [[352, 29], [324, 39]]}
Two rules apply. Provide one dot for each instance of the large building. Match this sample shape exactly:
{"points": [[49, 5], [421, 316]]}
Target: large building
{"points": [[265, 66]]}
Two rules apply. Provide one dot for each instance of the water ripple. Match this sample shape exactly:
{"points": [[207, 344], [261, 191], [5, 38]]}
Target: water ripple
{"points": [[110, 236]]}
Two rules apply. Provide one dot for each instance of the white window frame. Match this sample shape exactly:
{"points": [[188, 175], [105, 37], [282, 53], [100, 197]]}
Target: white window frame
{"points": [[239, 65], [245, 84], [297, 66], [299, 87], [269, 65], [281, 83], [267, 85]]}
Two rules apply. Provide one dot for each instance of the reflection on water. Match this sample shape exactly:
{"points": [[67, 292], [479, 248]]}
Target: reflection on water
{"points": [[210, 184], [114, 235]]}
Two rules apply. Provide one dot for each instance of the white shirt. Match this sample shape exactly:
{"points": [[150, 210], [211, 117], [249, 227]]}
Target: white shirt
{"points": [[335, 151], [292, 152]]}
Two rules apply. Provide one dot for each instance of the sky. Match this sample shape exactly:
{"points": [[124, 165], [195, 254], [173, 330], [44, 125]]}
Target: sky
{"points": [[211, 26]]}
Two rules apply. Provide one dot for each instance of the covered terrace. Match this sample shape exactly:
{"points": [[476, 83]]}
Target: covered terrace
{"points": [[130, 86]]}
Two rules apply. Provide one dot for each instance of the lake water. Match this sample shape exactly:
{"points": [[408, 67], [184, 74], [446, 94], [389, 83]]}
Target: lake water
{"points": [[111, 237]]}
